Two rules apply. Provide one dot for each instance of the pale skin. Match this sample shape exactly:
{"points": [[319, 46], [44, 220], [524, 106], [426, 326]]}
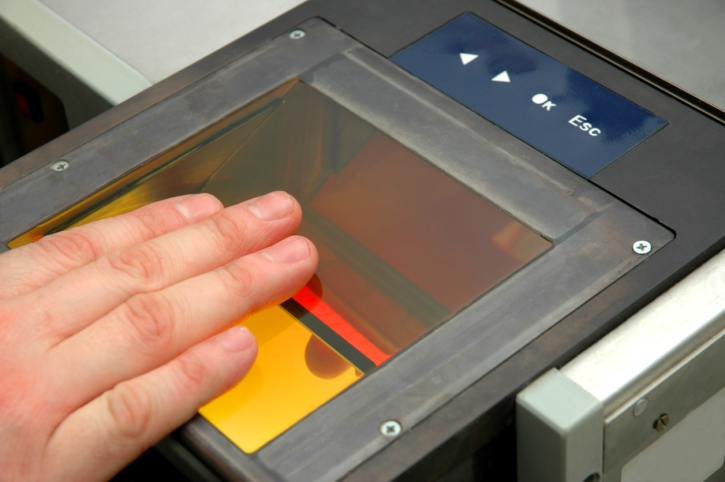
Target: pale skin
{"points": [[115, 333]]}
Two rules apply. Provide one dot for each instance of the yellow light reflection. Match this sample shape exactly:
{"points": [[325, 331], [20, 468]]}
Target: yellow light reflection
{"points": [[279, 390]]}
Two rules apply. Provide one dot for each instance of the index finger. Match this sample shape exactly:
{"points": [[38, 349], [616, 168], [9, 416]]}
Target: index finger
{"points": [[30, 267]]}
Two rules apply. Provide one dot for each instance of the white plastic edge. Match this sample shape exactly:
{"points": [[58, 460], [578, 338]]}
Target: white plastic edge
{"points": [[103, 72], [655, 338]]}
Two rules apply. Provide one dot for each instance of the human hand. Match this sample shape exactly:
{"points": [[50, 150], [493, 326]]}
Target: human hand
{"points": [[105, 329]]}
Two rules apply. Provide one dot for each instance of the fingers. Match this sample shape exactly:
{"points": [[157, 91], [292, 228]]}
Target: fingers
{"points": [[152, 328], [116, 427], [95, 289], [27, 268]]}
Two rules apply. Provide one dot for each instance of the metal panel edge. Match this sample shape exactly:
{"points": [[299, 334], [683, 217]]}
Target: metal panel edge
{"points": [[675, 371], [682, 95]]}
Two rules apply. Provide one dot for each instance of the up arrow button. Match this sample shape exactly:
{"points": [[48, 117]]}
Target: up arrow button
{"points": [[466, 58]]}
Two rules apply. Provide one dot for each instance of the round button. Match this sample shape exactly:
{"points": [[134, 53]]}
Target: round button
{"points": [[539, 98]]}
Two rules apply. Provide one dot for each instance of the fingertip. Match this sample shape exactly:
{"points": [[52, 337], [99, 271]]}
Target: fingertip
{"points": [[313, 249], [236, 339], [240, 351], [290, 250], [197, 207], [273, 206]]}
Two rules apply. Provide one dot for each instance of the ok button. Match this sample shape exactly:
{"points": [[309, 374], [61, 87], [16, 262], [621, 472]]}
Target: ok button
{"points": [[543, 101]]}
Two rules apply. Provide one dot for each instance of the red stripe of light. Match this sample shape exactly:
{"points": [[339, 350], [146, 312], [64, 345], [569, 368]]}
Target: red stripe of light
{"points": [[312, 303]]}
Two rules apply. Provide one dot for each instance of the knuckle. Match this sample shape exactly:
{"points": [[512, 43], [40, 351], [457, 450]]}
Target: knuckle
{"points": [[238, 280], [70, 247], [150, 221], [193, 373], [130, 411], [151, 321], [143, 264], [228, 232]]}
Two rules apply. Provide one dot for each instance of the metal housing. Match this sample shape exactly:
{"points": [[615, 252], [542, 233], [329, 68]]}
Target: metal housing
{"points": [[676, 181], [592, 232]]}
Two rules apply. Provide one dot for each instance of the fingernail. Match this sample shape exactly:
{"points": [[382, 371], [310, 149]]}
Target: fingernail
{"points": [[197, 207], [272, 206], [289, 250], [235, 339]]}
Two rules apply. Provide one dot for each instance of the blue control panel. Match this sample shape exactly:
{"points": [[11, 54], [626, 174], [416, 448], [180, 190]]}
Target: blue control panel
{"points": [[536, 98]]}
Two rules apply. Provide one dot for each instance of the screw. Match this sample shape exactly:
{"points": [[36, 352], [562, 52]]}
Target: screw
{"points": [[662, 422], [642, 247], [640, 407], [391, 428], [61, 165], [296, 34]]}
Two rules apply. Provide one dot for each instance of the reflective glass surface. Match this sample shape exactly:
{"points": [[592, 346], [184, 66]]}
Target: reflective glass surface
{"points": [[402, 245]]}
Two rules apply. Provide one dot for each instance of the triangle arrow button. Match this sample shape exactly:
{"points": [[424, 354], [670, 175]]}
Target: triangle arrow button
{"points": [[466, 58], [502, 77]]}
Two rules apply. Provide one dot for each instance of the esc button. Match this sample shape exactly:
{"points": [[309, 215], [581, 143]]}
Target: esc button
{"points": [[580, 122]]}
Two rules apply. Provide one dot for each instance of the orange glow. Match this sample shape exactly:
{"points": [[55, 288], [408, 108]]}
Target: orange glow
{"points": [[312, 303], [280, 389]]}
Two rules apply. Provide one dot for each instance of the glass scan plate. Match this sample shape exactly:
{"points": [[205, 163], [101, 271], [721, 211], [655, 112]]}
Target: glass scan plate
{"points": [[402, 246], [422, 211]]}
